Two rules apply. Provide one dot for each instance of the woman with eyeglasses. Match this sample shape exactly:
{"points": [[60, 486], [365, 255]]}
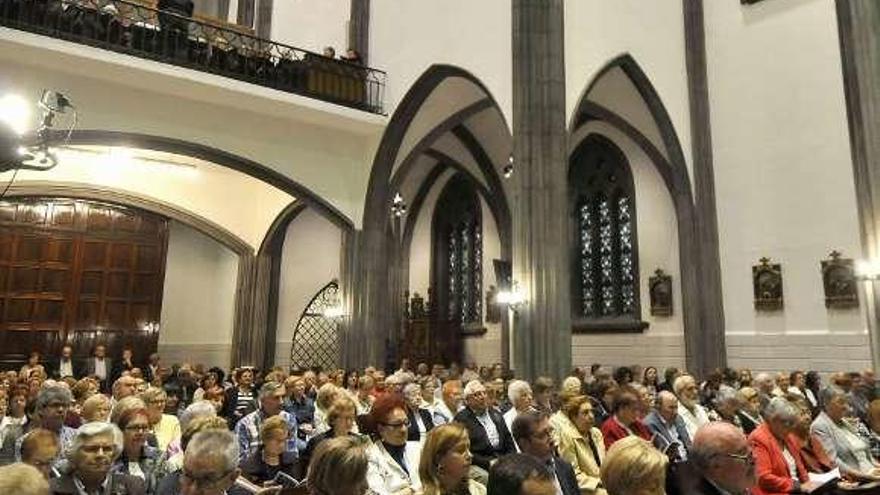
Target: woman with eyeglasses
{"points": [[90, 457], [272, 457], [165, 427], [394, 463], [138, 459], [779, 467]]}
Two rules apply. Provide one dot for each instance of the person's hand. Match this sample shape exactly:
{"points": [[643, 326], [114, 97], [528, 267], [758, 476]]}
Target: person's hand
{"points": [[809, 486]]}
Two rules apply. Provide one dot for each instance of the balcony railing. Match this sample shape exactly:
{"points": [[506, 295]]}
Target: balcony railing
{"points": [[127, 26]]}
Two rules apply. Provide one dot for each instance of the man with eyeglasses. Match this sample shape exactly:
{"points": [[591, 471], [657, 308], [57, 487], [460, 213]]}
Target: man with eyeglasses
{"points": [[721, 459], [210, 467], [50, 411], [532, 433], [490, 438]]}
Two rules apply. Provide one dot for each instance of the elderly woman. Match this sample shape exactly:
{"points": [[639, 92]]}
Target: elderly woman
{"points": [[165, 427], [634, 467], [580, 443], [339, 468], [519, 393], [137, 458], [394, 462], [812, 453], [625, 420], [272, 457], [420, 421], [341, 417], [840, 439], [90, 458], [430, 398], [365, 399], [778, 464], [727, 405], [96, 409], [208, 382], [749, 413], [327, 394], [445, 462]]}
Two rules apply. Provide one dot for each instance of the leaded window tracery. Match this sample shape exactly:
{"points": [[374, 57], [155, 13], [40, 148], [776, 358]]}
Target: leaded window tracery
{"points": [[458, 252], [605, 257]]}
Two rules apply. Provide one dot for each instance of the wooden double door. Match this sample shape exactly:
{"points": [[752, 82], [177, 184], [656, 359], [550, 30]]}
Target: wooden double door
{"points": [[79, 272]]}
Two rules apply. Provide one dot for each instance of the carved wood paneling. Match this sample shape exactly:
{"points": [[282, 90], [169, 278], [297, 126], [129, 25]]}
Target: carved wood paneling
{"points": [[81, 272]]}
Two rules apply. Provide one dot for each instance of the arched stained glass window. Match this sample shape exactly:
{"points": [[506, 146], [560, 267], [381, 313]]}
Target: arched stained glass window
{"points": [[605, 258], [458, 253], [316, 337]]}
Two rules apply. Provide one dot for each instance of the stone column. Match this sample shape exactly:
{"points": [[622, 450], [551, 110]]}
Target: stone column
{"points": [[541, 327], [859, 29], [706, 349], [359, 28]]}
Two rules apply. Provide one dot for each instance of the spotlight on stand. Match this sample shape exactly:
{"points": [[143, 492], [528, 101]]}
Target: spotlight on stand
{"points": [[18, 149], [398, 207], [507, 171]]}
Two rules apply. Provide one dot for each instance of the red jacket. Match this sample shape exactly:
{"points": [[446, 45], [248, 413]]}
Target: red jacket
{"points": [[613, 431], [770, 466]]}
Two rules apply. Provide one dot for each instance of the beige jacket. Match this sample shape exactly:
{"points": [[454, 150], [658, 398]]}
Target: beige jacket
{"points": [[575, 449]]}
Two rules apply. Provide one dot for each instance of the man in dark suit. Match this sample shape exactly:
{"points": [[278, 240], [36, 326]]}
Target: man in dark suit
{"points": [[124, 364], [720, 463], [65, 365], [100, 366], [531, 431], [488, 433]]}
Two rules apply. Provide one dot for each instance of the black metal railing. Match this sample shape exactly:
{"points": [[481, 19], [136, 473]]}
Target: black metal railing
{"points": [[126, 26]]}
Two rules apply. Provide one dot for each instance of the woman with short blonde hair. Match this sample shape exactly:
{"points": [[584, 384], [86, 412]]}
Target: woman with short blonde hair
{"points": [[634, 467], [165, 427], [339, 467], [96, 408], [446, 457]]}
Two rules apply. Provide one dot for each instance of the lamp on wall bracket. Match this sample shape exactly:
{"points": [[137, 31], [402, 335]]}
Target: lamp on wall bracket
{"points": [[512, 297], [507, 170], [398, 206]]}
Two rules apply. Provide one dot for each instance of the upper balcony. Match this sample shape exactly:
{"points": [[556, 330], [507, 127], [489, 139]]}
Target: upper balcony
{"points": [[134, 27]]}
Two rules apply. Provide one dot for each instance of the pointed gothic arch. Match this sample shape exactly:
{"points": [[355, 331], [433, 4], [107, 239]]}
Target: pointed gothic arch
{"points": [[316, 337]]}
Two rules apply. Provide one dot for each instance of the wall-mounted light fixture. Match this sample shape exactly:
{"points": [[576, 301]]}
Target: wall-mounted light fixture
{"points": [[507, 171], [398, 207], [513, 297], [868, 270]]}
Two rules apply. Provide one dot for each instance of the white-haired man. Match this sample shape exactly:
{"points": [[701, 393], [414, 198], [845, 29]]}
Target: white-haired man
{"points": [[519, 392], [489, 436], [691, 412]]}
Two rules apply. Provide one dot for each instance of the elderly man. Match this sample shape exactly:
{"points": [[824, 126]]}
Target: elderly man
{"points": [[92, 452], [722, 460], [520, 394], [50, 411], [450, 402], [248, 429], [489, 436], [124, 386], [689, 409], [210, 466], [531, 431], [670, 432]]}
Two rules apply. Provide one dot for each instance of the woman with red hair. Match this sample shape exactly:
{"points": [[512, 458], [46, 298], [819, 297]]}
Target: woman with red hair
{"points": [[393, 462]]}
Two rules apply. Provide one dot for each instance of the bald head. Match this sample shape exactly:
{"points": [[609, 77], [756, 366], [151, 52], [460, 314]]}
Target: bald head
{"points": [[667, 405], [721, 452]]}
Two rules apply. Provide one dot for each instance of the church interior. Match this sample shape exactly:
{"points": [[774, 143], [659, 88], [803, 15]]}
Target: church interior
{"points": [[549, 188]]}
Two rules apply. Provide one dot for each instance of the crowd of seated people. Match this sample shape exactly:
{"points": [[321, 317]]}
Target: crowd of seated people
{"points": [[111, 425]]}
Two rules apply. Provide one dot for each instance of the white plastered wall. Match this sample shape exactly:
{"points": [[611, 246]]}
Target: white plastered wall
{"points": [[597, 31], [238, 203], [486, 348], [784, 179], [311, 142], [198, 302], [406, 38], [309, 261], [312, 24], [662, 344]]}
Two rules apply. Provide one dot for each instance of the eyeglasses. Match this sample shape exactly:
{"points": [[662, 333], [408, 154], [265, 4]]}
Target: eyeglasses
{"points": [[397, 425], [744, 458], [138, 428]]}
